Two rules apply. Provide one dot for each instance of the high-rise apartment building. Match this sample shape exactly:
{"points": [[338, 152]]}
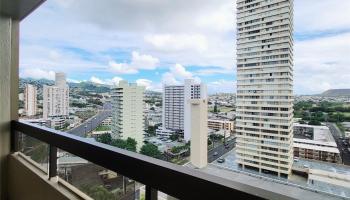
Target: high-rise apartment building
{"points": [[56, 98], [30, 100], [265, 85], [176, 107], [128, 112]]}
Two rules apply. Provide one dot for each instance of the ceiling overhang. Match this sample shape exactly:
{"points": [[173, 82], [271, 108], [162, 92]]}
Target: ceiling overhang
{"points": [[18, 9]]}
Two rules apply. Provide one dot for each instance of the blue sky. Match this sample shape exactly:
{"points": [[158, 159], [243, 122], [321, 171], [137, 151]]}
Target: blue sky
{"points": [[152, 42]]}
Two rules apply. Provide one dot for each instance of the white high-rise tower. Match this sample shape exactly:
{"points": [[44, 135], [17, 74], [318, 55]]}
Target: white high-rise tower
{"points": [[265, 85], [56, 98], [30, 100], [177, 108]]}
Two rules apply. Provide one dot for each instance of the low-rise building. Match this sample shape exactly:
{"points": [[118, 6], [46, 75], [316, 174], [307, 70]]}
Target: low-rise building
{"points": [[316, 150], [163, 132], [218, 124], [315, 143], [107, 122]]}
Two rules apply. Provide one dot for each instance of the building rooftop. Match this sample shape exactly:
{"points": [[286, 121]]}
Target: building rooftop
{"points": [[321, 133], [273, 182]]}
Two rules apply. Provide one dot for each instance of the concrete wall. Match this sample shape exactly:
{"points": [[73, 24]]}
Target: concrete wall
{"points": [[9, 30]]}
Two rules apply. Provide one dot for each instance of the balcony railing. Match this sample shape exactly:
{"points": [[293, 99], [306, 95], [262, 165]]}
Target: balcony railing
{"points": [[177, 181]]}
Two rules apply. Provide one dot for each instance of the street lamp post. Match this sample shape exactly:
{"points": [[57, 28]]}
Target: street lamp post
{"points": [[85, 130]]}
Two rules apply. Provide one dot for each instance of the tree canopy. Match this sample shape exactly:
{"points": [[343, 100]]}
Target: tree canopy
{"points": [[150, 150]]}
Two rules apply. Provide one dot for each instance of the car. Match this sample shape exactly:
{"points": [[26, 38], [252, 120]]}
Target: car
{"points": [[215, 153], [221, 160]]}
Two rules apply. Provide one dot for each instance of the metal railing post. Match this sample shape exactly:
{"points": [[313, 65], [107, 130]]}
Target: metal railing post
{"points": [[52, 161], [14, 141], [151, 193]]}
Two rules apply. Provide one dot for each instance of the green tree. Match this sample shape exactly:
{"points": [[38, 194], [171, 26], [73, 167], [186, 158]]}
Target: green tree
{"points": [[130, 144], [174, 137], [151, 150], [104, 138], [314, 122], [119, 143]]}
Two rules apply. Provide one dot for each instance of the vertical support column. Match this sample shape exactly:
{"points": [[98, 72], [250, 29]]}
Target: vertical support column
{"points": [[52, 161], [9, 37], [151, 193], [199, 132]]}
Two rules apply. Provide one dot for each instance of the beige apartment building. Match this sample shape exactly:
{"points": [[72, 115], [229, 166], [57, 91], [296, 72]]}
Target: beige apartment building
{"points": [[128, 112], [219, 124], [265, 85]]}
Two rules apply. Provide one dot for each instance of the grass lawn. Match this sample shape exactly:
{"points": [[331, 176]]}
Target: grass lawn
{"points": [[347, 114], [221, 109], [103, 128]]}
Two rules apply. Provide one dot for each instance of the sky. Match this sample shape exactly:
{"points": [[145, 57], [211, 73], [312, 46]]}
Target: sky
{"points": [[156, 42]]}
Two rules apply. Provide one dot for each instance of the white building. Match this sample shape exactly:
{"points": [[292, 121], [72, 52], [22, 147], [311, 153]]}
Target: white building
{"points": [[56, 98], [265, 85], [128, 112], [176, 108], [30, 100]]}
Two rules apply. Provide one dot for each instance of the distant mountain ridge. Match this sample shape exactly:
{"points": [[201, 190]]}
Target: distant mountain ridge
{"points": [[336, 92], [84, 85]]}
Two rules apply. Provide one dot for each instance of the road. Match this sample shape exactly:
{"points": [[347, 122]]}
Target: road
{"points": [[221, 150], [93, 122], [344, 153]]}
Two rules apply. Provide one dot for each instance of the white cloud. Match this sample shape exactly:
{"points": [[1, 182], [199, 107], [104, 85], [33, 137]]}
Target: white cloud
{"points": [[322, 63], [96, 80], [214, 71], [219, 19], [178, 42], [37, 73], [222, 86], [313, 16], [138, 62], [169, 78], [177, 74], [180, 71], [84, 37], [113, 81]]}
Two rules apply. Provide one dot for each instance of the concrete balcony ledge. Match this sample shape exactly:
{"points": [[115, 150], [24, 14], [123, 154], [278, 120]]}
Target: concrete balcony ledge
{"points": [[27, 180]]}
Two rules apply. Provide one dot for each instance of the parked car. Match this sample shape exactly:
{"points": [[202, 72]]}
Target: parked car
{"points": [[221, 160], [215, 153]]}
